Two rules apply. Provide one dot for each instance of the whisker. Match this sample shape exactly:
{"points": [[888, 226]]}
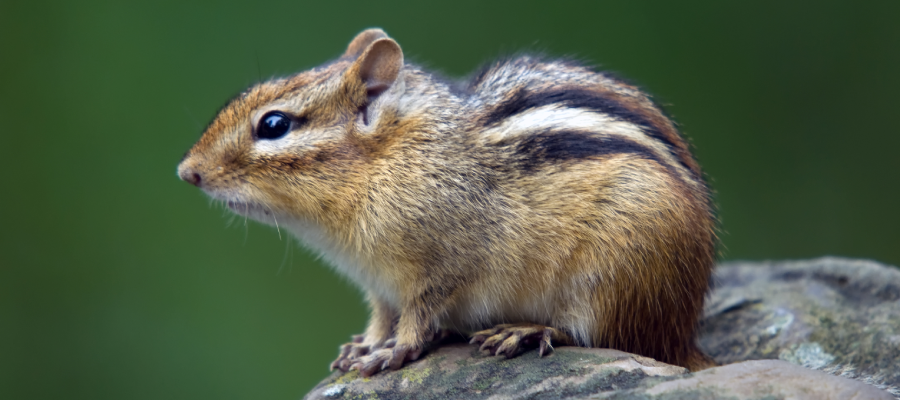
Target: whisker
{"points": [[246, 226], [276, 222], [284, 259]]}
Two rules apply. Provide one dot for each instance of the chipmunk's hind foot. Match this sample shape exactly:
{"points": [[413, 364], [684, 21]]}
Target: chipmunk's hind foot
{"points": [[512, 339]]}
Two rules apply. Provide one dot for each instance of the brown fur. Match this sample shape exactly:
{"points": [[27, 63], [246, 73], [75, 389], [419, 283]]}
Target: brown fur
{"points": [[602, 234]]}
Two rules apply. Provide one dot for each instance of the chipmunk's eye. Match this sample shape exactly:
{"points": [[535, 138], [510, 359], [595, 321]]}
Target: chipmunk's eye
{"points": [[273, 125]]}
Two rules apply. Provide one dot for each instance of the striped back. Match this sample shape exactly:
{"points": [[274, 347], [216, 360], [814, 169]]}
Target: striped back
{"points": [[559, 110]]}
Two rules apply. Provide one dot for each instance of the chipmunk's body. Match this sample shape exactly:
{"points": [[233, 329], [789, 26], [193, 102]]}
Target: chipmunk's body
{"points": [[541, 194]]}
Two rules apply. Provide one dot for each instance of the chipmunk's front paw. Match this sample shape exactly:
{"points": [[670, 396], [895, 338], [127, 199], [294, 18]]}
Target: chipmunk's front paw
{"points": [[512, 339], [353, 351], [385, 358]]}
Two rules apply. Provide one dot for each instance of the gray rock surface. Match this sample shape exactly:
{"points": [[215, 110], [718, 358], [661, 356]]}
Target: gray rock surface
{"points": [[458, 371], [760, 379], [817, 313], [823, 313]]}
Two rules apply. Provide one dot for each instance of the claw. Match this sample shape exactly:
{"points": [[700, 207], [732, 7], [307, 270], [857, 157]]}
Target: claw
{"points": [[545, 342], [397, 358], [351, 352], [512, 339], [342, 355], [492, 341], [358, 351], [509, 347], [372, 363], [386, 358]]}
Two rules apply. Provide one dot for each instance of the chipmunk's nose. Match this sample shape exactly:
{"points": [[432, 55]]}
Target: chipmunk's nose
{"points": [[193, 178], [189, 175]]}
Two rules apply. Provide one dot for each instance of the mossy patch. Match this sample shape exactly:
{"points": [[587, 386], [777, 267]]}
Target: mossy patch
{"points": [[370, 395], [415, 375], [347, 377]]}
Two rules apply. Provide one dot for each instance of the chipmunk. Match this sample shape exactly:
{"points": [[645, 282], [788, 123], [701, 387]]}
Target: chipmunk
{"points": [[538, 203]]}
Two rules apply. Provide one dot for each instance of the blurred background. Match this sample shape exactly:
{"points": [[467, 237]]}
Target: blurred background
{"points": [[118, 281]]}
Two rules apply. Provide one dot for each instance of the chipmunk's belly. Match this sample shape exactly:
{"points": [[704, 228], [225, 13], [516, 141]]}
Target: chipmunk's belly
{"points": [[482, 309]]}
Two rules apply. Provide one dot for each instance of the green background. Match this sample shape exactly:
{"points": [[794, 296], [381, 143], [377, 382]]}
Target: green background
{"points": [[118, 281]]}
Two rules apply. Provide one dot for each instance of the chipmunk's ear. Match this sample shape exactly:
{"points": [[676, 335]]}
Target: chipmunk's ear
{"points": [[362, 41], [378, 66]]}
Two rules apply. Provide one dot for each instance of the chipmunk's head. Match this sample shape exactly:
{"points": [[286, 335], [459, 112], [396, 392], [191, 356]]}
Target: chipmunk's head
{"points": [[299, 145]]}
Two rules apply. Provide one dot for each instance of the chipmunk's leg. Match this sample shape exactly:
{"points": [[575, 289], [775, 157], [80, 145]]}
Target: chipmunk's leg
{"points": [[377, 336], [512, 339], [414, 330]]}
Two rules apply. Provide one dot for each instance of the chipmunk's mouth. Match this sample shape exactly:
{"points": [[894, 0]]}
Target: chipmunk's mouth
{"points": [[252, 210]]}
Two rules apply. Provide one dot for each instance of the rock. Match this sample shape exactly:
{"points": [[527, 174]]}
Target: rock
{"points": [[821, 314], [460, 371], [762, 379]]}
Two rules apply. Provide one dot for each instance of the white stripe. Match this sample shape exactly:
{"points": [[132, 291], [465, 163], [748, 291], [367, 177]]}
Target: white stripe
{"points": [[556, 117]]}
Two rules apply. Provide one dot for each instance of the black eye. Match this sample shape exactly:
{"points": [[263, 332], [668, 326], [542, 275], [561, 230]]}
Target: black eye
{"points": [[273, 125]]}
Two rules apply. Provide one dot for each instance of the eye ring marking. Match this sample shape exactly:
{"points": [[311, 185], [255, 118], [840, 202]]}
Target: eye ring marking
{"points": [[274, 125]]}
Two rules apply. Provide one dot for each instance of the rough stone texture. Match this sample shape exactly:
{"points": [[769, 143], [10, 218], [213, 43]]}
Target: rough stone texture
{"points": [[460, 371], [817, 313], [764, 379]]}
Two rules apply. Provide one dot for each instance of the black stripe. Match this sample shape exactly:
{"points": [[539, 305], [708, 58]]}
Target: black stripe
{"points": [[552, 148], [524, 100]]}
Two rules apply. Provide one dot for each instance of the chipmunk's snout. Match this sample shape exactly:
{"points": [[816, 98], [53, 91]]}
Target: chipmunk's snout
{"points": [[189, 175], [192, 178]]}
